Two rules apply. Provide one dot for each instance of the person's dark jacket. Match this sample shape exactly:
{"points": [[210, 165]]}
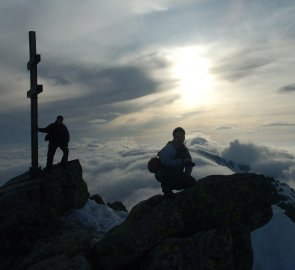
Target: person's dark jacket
{"points": [[172, 157], [57, 134]]}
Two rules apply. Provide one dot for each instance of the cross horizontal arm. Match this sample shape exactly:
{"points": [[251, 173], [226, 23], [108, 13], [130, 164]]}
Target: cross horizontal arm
{"points": [[35, 90], [34, 61]]}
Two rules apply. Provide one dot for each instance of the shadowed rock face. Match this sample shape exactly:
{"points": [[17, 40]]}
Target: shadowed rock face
{"points": [[205, 227], [30, 209], [62, 190], [117, 206]]}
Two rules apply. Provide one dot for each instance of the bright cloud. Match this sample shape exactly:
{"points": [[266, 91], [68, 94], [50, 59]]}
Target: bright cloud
{"points": [[117, 169], [262, 159]]}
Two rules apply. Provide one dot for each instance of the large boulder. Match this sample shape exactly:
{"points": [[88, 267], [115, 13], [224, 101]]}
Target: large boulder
{"points": [[98, 199], [63, 250], [218, 213], [212, 249], [61, 190], [117, 206], [61, 262], [30, 209]]}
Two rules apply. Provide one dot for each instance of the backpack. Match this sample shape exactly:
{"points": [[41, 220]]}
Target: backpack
{"points": [[154, 164]]}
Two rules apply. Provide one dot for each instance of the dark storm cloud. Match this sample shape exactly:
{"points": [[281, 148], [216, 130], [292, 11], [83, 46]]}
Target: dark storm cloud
{"points": [[106, 85], [100, 88], [290, 88]]}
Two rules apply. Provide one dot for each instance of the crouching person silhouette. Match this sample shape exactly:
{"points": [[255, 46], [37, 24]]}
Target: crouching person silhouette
{"points": [[58, 136], [176, 168]]}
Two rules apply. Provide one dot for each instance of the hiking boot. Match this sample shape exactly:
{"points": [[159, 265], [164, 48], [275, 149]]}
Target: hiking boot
{"points": [[64, 165], [48, 170]]}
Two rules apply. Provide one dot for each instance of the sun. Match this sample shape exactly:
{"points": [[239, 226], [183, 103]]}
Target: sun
{"points": [[191, 69]]}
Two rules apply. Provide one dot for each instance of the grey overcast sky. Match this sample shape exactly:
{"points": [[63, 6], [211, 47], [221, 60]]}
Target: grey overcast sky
{"points": [[139, 68], [125, 73]]}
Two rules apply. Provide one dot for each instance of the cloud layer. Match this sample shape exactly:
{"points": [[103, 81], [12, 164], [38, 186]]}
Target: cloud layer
{"points": [[117, 169], [262, 159]]}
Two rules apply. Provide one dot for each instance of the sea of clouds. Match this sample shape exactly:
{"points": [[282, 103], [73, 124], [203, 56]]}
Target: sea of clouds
{"points": [[117, 169]]}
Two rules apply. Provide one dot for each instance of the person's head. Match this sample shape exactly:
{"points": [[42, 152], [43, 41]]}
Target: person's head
{"points": [[59, 119], [178, 136]]}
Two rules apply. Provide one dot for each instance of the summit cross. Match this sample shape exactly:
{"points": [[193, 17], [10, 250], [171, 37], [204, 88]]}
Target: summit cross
{"points": [[33, 95]]}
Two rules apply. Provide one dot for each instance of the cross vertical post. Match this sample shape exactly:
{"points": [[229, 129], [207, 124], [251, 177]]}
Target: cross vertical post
{"points": [[33, 95]]}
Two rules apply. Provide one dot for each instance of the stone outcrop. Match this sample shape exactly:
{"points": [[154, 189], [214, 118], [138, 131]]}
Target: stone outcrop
{"points": [[117, 206], [70, 250], [30, 210], [285, 198], [205, 227], [98, 199]]}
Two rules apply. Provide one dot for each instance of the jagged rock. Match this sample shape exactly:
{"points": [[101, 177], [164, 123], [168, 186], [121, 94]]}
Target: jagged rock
{"points": [[69, 244], [283, 200], [62, 190], [30, 209], [215, 203], [61, 262], [22, 229], [117, 206], [205, 227], [213, 249], [97, 198]]}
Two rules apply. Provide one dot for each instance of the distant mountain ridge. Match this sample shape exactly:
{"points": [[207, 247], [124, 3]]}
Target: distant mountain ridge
{"points": [[232, 165], [285, 198]]}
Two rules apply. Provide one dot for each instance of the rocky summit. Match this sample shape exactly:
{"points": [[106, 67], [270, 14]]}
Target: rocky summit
{"points": [[30, 211], [204, 227]]}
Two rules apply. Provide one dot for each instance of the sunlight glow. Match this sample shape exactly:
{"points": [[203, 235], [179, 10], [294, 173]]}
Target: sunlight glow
{"points": [[195, 82]]}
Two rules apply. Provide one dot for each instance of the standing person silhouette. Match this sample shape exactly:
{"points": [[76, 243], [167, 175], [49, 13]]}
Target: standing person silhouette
{"points": [[175, 172], [58, 136]]}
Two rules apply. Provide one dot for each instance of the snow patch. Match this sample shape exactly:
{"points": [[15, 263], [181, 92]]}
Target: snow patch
{"points": [[273, 244], [97, 217]]}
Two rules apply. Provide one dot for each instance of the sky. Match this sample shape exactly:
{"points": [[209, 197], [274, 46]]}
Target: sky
{"points": [[131, 71]]}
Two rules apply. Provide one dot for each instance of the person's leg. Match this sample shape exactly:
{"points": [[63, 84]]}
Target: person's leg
{"points": [[65, 156], [165, 181], [189, 181], [182, 181], [50, 155]]}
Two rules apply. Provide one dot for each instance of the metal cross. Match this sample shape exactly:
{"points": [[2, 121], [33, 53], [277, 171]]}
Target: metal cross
{"points": [[33, 95]]}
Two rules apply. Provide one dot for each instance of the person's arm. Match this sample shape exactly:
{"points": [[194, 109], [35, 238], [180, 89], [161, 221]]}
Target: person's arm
{"points": [[188, 167], [167, 156], [67, 135], [45, 130]]}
